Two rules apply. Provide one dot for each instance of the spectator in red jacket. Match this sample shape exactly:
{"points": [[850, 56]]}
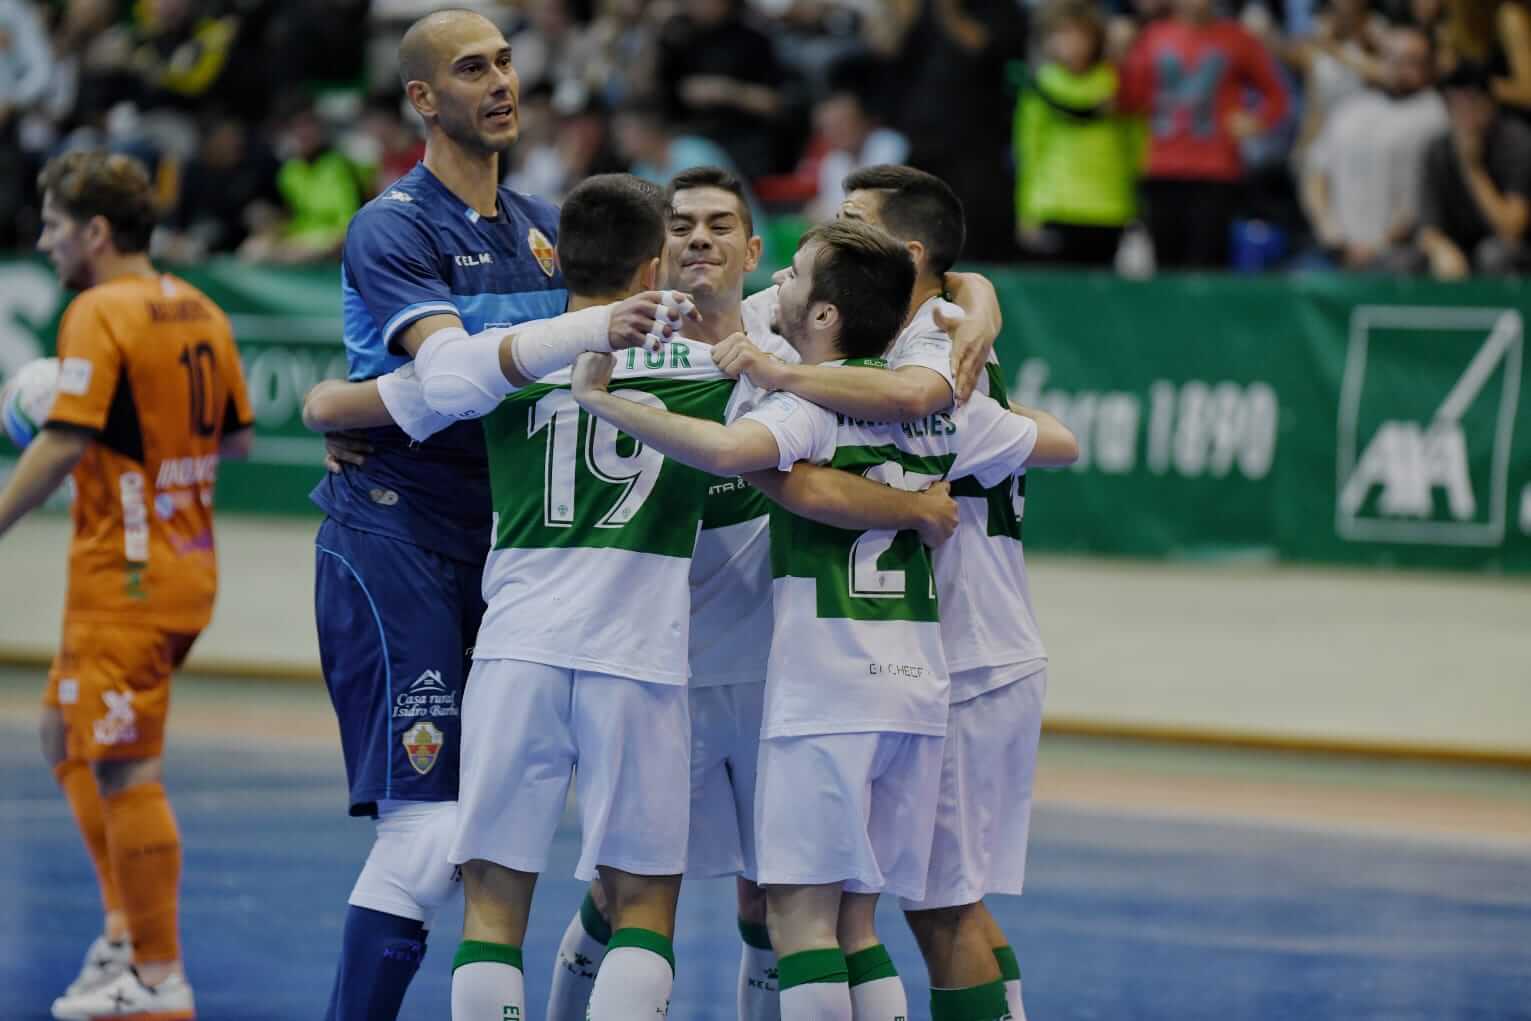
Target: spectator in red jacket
{"points": [[1190, 75]]}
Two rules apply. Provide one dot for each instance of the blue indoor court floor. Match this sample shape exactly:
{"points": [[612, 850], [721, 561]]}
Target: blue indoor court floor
{"points": [[1180, 905]]}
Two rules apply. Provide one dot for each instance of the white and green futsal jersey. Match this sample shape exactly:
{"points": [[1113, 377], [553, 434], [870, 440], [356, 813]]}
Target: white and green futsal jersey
{"points": [[858, 639], [593, 531], [987, 620]]}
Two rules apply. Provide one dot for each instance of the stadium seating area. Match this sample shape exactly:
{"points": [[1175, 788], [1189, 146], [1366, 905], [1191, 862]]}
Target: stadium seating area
{"points": [[1305, 134]]}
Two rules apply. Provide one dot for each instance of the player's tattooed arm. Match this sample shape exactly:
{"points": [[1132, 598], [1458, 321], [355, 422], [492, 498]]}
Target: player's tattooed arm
{"points": [[709, 446], [845, 500], [875, 395], [973, 334], [47, 461]]}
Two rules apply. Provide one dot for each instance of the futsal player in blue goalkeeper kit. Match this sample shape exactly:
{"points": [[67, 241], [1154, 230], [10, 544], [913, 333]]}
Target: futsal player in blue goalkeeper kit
{"points": [[445, 251]]}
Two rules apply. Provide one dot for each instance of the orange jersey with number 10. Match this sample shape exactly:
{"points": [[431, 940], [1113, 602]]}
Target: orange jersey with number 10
{"points": [[148, 366]]}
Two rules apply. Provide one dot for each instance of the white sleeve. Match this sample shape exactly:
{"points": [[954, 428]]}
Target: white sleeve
{"points": [[929, 349], [404, 398], [803, 431], [993, 442]]}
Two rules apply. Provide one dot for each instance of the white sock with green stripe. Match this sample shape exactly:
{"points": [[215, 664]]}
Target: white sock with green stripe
{"points": [[758, 996], [487, 984], [876, 992], [635, 978], [814, 987], [579, 956]]}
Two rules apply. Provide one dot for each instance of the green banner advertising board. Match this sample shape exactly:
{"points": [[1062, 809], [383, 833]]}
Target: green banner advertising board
{"points": [[1331, 419]]}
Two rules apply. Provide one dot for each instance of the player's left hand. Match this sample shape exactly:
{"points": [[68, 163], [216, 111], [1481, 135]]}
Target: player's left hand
{"points": [[971, 344], [738, 356], [341, 449], [591, 375]]}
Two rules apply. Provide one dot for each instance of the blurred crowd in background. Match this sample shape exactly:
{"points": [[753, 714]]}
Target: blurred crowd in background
{"points": [[1385, 135]]}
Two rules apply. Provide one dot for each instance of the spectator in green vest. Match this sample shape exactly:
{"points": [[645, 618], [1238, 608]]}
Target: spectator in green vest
{"points": [[320, 188], [1077, 158]]}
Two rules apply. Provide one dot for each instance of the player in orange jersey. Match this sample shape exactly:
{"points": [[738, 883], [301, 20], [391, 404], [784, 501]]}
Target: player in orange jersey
{"points": [[150, 397]]}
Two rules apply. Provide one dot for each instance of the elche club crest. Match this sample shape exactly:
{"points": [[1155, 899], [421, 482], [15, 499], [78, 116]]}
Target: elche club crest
{"points": [[422, 743], [542, 250]]}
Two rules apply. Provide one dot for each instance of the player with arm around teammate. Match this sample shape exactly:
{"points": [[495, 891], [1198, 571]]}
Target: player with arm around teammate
{"points": [[875, 743], [989, 628], [150, 397], [709, 248], [445, 250]]}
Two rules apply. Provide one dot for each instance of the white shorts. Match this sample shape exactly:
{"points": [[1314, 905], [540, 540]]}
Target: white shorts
{"points": [[983, 819], [525, 728], [858, 809], [725, 752], [407, 873]]}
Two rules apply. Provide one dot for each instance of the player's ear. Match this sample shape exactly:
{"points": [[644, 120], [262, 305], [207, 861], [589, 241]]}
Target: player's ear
{"points": [[421, 98], [825, 315], [98, 231], [752, 252], [648, 275], [917, 253]]}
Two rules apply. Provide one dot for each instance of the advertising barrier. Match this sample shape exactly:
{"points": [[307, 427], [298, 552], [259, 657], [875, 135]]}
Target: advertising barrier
{"points": [[1330, 419]]}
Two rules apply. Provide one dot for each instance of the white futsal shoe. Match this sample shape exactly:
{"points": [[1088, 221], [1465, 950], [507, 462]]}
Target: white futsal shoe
{"points": [[126, 997], [104, 961]]}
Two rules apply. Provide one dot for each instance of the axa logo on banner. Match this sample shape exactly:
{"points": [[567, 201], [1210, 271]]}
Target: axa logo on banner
{"points": [[1427, 419]]}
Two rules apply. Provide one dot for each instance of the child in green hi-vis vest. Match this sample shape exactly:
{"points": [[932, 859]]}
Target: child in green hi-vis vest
{"points": [[1077, 158]]}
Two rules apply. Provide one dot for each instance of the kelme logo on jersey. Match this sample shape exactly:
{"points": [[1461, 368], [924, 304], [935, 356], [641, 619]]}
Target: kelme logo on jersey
{"points": [[422, 743], [542, 250], [1422, 463]]}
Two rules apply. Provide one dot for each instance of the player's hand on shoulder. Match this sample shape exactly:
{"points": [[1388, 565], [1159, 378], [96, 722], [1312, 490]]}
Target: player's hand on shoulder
{"points": [[649, 319], [341, 449], [939, 517], [738, 356], [591, 375]]}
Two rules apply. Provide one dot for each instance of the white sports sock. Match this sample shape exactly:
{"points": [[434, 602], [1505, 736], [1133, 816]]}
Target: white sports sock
{"points": [[816, 1001], [488, 991], [881, 999], [634, 982], [579, 955], [1013, 998], [758, 996]]}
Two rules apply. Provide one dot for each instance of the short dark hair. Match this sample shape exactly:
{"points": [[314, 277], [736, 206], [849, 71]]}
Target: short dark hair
{"points": [[917, 206], [609, 226], [713, 177], [97, 183], [868, 275]]}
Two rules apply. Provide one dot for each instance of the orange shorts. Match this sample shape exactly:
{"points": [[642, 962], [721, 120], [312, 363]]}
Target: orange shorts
{"points": [[111, 684]]}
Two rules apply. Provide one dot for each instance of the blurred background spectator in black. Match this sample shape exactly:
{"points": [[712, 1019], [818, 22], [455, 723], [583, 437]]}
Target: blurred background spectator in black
{"points": [[1476, 196], [1077, 157], [947, 82], [720, 80], [1361, 186], [229, 186]]}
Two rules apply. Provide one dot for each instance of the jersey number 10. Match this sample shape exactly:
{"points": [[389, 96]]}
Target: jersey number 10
{"points": [[201, 367]]}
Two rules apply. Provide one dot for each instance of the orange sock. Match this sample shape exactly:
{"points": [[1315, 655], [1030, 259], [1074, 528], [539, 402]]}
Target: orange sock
{"points": [[146, 854], [79, 786]]}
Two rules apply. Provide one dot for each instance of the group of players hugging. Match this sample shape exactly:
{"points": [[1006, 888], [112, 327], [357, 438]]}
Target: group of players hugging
{"points": [[747, 572]]}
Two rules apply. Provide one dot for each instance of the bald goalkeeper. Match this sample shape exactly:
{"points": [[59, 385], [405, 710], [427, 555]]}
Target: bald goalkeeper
{"points": [[444, 253]]}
